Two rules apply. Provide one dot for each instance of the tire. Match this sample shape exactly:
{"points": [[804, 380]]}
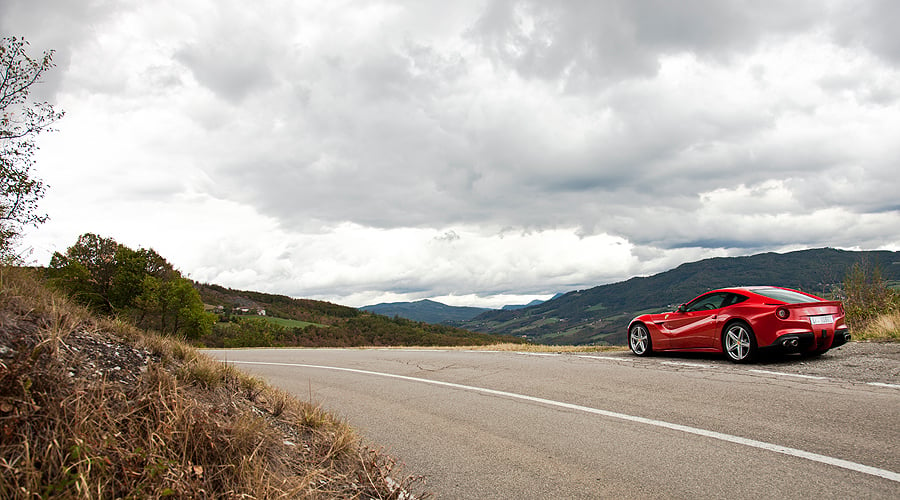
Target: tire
{"points": [[639, 340], [739, 342]]}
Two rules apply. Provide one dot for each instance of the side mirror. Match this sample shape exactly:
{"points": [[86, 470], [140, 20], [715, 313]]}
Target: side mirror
{"points": [[681, 308]]}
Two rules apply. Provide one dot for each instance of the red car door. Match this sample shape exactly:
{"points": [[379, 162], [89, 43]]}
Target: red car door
{"points": [[693, 325]]}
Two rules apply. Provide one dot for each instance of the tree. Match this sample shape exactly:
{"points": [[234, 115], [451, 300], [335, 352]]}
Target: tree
{"points": [[87, 270], [139, 284], [21, 120]]}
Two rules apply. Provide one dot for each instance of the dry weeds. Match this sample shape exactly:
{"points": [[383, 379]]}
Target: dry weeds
{"points": [[883, 328], [94, 408]]}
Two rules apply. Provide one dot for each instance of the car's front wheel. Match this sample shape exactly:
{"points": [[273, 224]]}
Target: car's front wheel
{"points": [[738, 342], [639, 340]]}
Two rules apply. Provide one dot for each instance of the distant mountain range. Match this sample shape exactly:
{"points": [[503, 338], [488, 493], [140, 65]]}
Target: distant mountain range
{"points": [[600, 315], [427, 311], [597, 315], [430, 311]]}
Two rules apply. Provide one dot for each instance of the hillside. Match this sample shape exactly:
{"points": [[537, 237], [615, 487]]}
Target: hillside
{"points": [[601, 314], [92, 407], [328, 325], [427, 311]]}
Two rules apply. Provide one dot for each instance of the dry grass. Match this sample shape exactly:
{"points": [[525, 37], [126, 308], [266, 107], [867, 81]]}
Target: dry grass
{"points": [[883, 328], [93, 408]]}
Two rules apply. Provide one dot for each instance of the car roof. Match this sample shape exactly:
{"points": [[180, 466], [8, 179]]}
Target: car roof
{"points": [[749, 289]]}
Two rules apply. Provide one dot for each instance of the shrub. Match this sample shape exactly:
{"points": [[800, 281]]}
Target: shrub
{"points": [[867, 296]]}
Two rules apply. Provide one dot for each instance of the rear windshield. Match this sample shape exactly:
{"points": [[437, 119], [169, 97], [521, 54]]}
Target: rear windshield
{"points": [[788, 296]]}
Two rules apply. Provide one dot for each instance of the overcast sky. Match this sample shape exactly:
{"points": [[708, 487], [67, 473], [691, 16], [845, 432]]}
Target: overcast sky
{"points": [[475, 152]]}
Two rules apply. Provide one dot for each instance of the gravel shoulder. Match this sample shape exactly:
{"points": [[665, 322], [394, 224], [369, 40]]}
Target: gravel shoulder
{"points": [[857, 362]]}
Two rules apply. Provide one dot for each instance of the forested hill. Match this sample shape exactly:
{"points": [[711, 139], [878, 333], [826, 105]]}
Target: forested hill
{"points": [[601, 314], [313, 323], [279, 306], [428, 311]]}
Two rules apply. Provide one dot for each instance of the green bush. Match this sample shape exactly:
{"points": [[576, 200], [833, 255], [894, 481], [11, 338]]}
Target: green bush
{"points": [[867, 296], [141, 285]]}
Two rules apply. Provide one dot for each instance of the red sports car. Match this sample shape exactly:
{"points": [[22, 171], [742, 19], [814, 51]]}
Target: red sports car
{"points": [[741, 321]]}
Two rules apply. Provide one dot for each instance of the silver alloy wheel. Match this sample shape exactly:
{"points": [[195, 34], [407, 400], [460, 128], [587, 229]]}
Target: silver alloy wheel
{"points": [[738, 343], [638, 339]]}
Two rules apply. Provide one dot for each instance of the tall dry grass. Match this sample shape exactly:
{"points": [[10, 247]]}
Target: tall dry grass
{"points": [[882, 328], [177, 425]]}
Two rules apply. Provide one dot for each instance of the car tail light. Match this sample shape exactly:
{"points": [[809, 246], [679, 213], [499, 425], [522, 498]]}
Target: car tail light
{"points": [[782, 313]]}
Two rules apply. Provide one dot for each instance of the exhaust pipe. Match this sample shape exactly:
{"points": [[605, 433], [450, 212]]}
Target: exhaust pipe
{"points": [[846, 337], [790, 343]]}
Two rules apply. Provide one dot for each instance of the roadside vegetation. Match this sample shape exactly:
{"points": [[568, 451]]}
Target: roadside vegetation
{"points": [[872, 304], [290, 322], [93, 407], [138, 285], [143, 287]]}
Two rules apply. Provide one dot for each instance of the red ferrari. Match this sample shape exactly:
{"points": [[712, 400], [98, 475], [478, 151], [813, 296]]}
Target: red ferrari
{"points": [[742, 321]]}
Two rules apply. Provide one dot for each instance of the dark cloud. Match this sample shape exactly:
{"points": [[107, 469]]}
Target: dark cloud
{"points": [[588, 43], [57, 25], [233, 56], [872, 24]]}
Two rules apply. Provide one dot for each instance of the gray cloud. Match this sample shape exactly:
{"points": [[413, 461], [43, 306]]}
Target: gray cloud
{"points": [[590, 43], [487, 138], [872, 24]]}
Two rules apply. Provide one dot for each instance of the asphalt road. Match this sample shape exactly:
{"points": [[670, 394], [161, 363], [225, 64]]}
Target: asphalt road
{"points": [[600, 425]]}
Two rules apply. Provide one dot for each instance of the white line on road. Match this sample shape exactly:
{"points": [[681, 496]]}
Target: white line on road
{"points": [[882, 384], [683, 363], [602, 358], [767, 372], [538, 353], [784, 450]]}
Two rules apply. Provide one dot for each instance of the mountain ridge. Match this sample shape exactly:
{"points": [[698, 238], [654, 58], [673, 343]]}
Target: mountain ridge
{"points": [[432, 311], [600, 315], [426, 310]]}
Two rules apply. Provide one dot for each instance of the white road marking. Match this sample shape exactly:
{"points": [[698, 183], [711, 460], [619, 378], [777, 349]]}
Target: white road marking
{"points": [[683, 363], [767, 372], [538, 353], [602, 358], [784, 450], [882, 384]]}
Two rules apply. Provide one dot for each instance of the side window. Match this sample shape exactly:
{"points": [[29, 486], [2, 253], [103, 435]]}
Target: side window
{"points": [[707, 302], [733, 299]]}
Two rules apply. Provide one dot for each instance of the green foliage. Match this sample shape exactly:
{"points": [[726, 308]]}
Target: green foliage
{"points": [[139, 284], [21, 120], [281, 306], [364, 329], [369, 329], [247, 332], [867, 296]]}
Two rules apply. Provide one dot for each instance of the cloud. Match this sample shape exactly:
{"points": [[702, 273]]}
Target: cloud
{"points": [[586, 44], [385, 149]]}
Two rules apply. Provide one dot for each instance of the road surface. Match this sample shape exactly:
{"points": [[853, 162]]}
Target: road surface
{"points": [[602, 425]]}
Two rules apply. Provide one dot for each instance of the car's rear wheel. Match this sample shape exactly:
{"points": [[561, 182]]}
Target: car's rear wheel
{"points": [[738, 342], [639, 340]]}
